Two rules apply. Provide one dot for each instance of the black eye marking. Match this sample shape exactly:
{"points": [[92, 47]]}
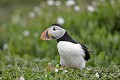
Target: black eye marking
{"points": [[54, 29]]}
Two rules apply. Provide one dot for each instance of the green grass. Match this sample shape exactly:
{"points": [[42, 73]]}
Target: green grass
{"points": [[26, 55], [13, 67]]}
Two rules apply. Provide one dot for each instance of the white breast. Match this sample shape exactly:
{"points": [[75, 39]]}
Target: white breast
{"points": [[71, 54]]}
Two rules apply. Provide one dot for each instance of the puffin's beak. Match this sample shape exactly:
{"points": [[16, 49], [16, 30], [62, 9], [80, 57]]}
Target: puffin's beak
{"points": [[45, 35]]}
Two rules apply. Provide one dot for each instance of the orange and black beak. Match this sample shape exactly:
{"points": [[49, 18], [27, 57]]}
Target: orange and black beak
{"points": [[45, 35]]}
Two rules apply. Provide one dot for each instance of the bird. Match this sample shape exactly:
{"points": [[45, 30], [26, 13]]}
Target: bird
{"points": [[72, 53]]}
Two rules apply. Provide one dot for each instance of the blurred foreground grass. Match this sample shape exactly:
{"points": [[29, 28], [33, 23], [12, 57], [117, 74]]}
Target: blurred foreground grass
{"points": [[95, 24]]}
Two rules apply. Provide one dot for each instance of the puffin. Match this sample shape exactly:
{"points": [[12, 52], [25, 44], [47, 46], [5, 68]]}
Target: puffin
{"points": [[72, 53]]}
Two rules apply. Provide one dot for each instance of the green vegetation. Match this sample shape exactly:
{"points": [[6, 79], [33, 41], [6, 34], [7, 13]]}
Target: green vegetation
{"points": [[31, 68], [95, 24]]}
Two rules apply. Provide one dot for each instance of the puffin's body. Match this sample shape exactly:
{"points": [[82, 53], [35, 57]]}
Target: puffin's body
{"points": [[72, 53]]}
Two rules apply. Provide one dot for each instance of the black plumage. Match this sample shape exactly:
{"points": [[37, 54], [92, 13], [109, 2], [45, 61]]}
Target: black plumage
{"points": [[55, 24]]}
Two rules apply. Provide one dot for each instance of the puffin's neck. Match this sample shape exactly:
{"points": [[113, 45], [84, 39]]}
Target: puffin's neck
{"points": [[66, 37]]}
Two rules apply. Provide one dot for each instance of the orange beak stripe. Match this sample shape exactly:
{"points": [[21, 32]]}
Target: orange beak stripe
{"points": [[45, 36]]}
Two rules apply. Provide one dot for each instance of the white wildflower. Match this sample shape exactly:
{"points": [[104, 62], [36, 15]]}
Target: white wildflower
{"points": [[112, 1], [97, 75], [60, 20], [16, 19], [89, 69], [70, 3], [19, 69], [49, 64], [90, 8], [57, 3], [26, 33], [50, 2], [32, 14], [21, 78], [37, 10], [76, 8], [56, 70], [5, 46], [65, 71]]}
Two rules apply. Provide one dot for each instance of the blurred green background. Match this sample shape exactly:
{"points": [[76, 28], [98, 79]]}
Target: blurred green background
{"points": [[95, 23]]}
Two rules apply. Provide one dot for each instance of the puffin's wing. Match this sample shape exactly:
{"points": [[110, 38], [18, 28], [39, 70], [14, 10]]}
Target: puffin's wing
{"points": [[87, 54]]}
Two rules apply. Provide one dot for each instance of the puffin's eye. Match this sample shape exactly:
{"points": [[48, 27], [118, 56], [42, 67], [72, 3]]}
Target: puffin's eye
{"points": [[54, 29]]}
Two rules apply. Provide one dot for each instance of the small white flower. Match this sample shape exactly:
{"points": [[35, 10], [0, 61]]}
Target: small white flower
{"points": [[32, 14], [49, 64], [19, 69], [21, 78], [16, 19], [76, 8], [89, 69], [50, 2], [36, 9], [65, 71], [56, 70], [90, 8], [70, 3], [26, 33], [60, 20], [112, 1], [97, 75], [36, 34], [57, 3], [5, 46]]}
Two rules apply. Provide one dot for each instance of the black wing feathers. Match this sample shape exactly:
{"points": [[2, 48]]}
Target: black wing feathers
{"points": [[87, 54]]}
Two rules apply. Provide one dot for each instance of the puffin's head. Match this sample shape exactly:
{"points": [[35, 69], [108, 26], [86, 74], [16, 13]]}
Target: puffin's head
{"points": [[53, 32]]}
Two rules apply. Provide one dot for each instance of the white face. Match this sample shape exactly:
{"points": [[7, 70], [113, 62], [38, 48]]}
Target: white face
{"points": [[56, 32]]}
